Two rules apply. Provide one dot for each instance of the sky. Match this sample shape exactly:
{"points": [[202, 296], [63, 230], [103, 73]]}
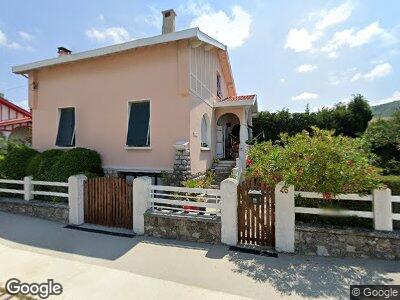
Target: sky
{"points": [[289, 53]]}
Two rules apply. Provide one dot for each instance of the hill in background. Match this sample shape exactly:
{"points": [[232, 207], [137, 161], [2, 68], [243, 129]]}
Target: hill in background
{"points": [[386, 109]]}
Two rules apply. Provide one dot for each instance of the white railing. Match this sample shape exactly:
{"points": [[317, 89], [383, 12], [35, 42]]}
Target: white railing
{"points": [[180, 200], [28, 188], [381, 211]]}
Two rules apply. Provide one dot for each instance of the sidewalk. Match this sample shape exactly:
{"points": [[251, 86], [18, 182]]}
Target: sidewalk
{"points": [[91, 265]]}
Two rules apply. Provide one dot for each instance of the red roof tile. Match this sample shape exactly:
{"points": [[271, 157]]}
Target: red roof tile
{"points": [[240, 98]]}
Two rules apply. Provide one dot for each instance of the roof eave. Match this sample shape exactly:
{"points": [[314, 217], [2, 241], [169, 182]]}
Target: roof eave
{"points": [[159, 39]]}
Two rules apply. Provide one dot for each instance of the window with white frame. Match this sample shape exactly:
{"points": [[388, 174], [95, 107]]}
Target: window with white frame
{"points": [[138, 124], [205, 131], [66, 127]]}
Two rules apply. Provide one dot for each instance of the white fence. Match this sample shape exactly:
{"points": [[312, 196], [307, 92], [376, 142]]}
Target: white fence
{"points": [[28, 188], [194, 201]]}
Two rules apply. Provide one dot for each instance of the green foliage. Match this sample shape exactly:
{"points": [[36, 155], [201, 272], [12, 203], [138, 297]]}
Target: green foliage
{"points": [[386, 109], [14, 165], [76, 161], [204, 182], [317, 162], [40, 166], [349, 120], [383, 139], [393, 183]]}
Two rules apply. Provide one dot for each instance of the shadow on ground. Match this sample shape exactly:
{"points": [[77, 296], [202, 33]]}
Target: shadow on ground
{"points": [[310, 276], [54, 236]]}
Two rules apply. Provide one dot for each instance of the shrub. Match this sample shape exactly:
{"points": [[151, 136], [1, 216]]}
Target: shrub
{"points": [[40, 166], [317, 162], [14, 165], [76, 161], [204, 182], [393, 183]]}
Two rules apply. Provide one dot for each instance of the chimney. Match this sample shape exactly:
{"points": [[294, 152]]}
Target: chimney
{"points": [[63, 51], [168, 21], [1, 95]]}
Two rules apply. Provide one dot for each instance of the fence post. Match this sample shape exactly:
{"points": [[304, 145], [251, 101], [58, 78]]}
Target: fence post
{"points": [[28, 188], [229, 223], [284, 218], [382, 207], [141, 194], [76, 199]]}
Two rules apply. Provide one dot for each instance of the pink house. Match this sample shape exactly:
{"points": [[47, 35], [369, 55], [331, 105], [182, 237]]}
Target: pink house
{"points": [[163, 103]]}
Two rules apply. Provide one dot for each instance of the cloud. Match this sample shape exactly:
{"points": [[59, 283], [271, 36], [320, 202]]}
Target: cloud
{"points": [[282, 80], [4, 43], [306, 68], [154, 18], [101, 17], [232, 30], [305, 96], [378, 71], [334, 16], [26, 36], [353, 38], [395, 97], [301, 40], [114, 34]]}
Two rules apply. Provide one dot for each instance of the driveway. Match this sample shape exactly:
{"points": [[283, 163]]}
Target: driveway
{"points": [[97, 266]]}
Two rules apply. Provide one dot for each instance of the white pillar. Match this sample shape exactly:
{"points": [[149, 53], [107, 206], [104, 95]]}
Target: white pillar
{"points": [[284, 218], [382, 207], [76, 199], [28, 188], [229, 224], [141, 194]]}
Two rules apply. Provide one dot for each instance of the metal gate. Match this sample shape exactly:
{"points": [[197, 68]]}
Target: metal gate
{"points": [[108, 202], [256, 213]]}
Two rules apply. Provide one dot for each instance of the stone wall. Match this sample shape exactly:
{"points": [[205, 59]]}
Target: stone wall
{"points": [[329, 241], [182, 167], [185, 228], [35, 208]]}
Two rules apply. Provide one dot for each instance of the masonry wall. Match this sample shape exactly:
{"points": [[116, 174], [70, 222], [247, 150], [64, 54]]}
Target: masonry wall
{"points": [[36, 208], [327, 241], [185, 228]]}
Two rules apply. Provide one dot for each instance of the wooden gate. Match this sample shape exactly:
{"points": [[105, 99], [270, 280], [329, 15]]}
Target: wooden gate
{"points": [[108, 202], [256, 213]]}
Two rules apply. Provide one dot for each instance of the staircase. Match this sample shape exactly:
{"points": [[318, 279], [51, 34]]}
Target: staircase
{"points": [[222, 170]]}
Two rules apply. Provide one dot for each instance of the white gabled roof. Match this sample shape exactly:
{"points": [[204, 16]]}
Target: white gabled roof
{"points": [[192, 33]]}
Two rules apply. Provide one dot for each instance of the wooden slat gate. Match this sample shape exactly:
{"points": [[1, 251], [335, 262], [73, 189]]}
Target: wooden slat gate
{"points": [[108, 202], [256, 221]]}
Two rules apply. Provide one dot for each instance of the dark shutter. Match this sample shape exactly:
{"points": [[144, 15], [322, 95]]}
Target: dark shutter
{"points": [[138, 126], [66, 128]]}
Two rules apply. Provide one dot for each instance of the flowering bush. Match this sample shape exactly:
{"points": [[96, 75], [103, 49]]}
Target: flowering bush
{"points": [[316, 162]]}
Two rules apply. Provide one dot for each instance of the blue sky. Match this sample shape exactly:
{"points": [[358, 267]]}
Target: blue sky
{"points": [[289, 53]]}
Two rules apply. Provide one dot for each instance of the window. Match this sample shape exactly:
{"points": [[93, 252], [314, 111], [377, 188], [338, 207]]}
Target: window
{"points": [[205, 131], [139, 124], [66, 127], [219, 89]]}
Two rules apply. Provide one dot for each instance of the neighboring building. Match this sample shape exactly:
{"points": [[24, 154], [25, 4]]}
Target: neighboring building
{"points": [[155, 104], [15, 122]]}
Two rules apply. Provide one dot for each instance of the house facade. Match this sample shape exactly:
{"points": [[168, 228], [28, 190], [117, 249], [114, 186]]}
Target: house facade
{"points": [[142, 103], [15, 122]]}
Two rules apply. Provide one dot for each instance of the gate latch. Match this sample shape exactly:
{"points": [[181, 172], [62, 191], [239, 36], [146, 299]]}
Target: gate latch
{"points": [[254, 196]]}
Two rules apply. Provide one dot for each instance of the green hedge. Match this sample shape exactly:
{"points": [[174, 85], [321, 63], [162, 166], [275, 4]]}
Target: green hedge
{"points": [[40, 165], [392, 182], [15, 163], [76, 161]]}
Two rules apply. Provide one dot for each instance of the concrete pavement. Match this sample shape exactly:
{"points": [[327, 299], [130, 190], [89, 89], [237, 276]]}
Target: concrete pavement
{"points": [[97, 266]]}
